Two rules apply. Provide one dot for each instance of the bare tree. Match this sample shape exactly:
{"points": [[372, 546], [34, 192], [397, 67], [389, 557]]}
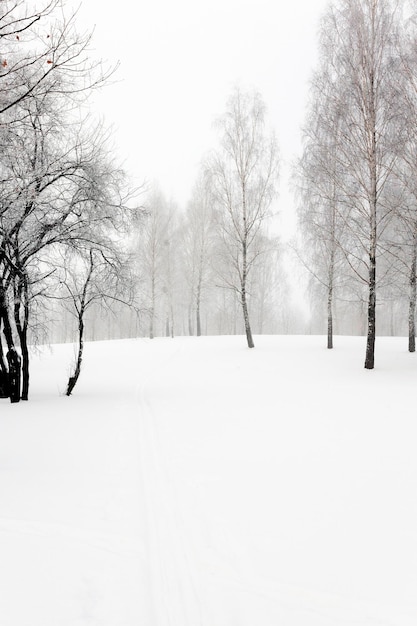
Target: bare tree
{"points": [[360, 39], [45, 169], [196, 246], [87, 278], [155, 256], [319, 180], [406, 171], [41, 46], [243, 173], [60, 188], [65, 197]]}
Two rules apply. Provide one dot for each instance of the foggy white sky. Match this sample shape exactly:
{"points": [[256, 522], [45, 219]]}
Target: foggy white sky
{"points": [[179, 63]]}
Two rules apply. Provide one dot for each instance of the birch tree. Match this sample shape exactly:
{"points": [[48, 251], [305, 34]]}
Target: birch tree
{"points": [[154, 257], [406, 170], [360, 39], [243, 174], [319, 179], [196, 245]]}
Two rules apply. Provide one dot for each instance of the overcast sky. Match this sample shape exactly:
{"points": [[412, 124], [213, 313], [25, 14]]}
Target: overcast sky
{"points": [[179, 61]]}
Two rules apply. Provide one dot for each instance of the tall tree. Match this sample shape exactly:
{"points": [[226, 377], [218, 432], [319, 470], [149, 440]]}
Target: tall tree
{"points": [[319, 179], [154, 257], [196, 246], [406, 169], [243, 174], [359, 40]]}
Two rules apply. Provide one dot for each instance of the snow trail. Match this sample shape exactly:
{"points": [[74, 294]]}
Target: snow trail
{"points": [[175, 598]]}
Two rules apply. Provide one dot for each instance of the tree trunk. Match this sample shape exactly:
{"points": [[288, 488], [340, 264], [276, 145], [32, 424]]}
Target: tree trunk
{"points": [[370, 342], [198, 315], [371, 332], [21, 302], [331, 273], [14, 375], [198, 294], [72, 381], [248, 330], [13, 359], [151, 332], [152, 309], [4, 372], [190, 322], [412, 303], [172, 334], [198, 322], [330, 309], [329, 323], [3, 366], [373, 236], [25, 365]]}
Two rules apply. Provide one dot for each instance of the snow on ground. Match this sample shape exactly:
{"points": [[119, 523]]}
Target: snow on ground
{"points": [[195, 482]]}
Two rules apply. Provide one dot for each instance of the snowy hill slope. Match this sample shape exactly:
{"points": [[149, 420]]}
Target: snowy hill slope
{"points": [[194, 482]]}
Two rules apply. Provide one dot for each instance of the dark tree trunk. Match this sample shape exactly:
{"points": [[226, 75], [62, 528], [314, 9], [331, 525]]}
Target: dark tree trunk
{"points": [[3, 365], [4, 372], [330, 318], [25, 365], [13, 374], [72, 381], [22, 302], [412, 304], [373, 238], [370, 342], [81, 308], [331, 275]]}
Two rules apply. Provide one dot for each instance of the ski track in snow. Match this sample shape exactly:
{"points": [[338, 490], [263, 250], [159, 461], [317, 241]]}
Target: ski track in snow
{"points": [[175, 598], [181, 593]]}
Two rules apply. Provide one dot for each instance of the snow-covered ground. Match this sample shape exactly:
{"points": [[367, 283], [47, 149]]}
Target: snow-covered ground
{"points": [[194, 482]]}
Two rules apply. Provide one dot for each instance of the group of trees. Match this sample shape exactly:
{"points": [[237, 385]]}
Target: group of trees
{"points": [[357, 175], [71, 240], [214, 268], [63, 202], [67, 226]]}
